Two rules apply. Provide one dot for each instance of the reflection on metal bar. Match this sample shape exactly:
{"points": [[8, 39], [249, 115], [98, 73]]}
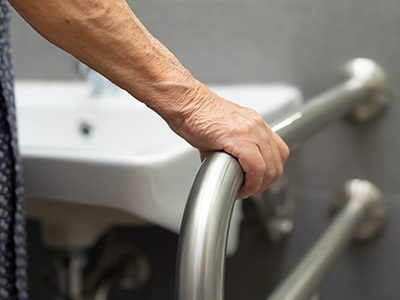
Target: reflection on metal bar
{"points": [[361, 217], [204, 229], [205, 225], [361, 97]]}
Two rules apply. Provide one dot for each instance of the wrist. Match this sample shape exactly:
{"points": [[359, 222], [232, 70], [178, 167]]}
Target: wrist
{"points": [[175, 98]]}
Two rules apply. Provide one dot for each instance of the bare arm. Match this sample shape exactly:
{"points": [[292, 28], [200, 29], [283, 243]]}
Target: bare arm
{"points": [[108, 37]]}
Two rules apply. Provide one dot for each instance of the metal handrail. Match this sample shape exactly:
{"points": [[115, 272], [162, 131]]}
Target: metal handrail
{"points": [[205, 224], [362, 214]]}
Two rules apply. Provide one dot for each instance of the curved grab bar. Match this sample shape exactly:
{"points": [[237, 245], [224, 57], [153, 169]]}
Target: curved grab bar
{"points": [[204, 229], [205, 224]]}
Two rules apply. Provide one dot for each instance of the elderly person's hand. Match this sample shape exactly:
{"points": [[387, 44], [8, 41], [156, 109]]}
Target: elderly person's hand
{"points": [[108, 37], [211, 123]]}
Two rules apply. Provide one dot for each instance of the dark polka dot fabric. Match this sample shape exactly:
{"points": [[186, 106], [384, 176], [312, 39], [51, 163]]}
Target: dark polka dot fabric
{"points": [[13, 258]]}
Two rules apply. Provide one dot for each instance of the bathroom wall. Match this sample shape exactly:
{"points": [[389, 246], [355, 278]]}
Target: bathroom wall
{"points": [[304, 43]]}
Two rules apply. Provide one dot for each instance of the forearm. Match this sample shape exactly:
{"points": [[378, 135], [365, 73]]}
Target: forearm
{"points": [[108, 37]]}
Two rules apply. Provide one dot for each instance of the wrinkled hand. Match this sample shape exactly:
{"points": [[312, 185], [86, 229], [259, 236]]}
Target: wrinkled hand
{"points": [[218, 124]]}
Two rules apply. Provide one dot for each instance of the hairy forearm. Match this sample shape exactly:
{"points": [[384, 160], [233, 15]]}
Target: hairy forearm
{"points": [[108, 37]]}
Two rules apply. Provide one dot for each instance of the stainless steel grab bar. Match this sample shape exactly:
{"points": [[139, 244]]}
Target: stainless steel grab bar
{"points": [[205, 224], [362, 215]]}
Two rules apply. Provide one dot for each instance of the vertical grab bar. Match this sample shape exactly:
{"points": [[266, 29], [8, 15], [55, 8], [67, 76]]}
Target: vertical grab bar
{"points": [[205, 225]]}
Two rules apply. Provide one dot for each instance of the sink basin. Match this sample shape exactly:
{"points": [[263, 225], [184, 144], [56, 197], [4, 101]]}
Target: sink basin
{"points": [[112, 151]]}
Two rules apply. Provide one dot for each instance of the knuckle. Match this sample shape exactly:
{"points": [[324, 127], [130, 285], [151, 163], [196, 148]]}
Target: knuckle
{"points": [[252, 112], [258, 120], [254, 116], [279, 172], [272, 173], [257, 166], [259, 171], [244, 129], [241, 129]]}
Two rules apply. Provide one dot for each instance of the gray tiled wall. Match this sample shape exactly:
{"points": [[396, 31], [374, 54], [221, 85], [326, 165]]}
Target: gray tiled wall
{"points": [[304, 43]]}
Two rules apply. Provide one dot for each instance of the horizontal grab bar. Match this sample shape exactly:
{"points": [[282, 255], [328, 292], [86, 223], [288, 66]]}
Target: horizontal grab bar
{"points": [[204, 229], [361, 97]]}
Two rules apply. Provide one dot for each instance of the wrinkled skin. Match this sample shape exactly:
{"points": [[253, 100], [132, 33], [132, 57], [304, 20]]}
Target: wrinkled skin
{"points": [[108, 37], [218, 124]]}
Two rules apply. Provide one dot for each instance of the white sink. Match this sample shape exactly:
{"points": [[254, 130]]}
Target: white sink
{"points": [[112, 151]]}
